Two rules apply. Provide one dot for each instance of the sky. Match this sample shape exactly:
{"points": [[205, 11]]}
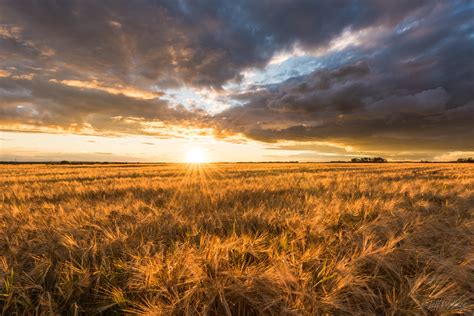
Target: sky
{"points": [[236, 80]]}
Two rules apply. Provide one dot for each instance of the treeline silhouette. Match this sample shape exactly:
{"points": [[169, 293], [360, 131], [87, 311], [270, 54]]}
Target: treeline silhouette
{"points": [[369, 159], [470, 159], [65, 162]]}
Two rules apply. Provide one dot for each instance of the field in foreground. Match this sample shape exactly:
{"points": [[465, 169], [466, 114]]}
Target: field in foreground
{"points": [[237, 239]]}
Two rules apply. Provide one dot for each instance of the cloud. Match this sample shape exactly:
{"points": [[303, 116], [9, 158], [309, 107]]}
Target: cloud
{"points": [[452, 156], [173, 42], [52, 104], [414, 92], [380, 76], [118, 89], [354, 105]]}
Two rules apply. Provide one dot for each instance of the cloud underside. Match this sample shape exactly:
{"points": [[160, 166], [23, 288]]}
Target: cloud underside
{"points": [[390, 77]]}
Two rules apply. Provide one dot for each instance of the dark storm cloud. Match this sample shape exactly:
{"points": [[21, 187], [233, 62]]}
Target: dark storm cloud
{"points": [[171, 42], [414, 92], [359, 109], [409, 87]]}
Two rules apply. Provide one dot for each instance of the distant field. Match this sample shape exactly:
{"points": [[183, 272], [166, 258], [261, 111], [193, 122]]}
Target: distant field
{"points": [[237, 239]]}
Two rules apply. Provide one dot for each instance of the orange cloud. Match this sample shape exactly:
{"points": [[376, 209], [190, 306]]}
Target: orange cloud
{"points": [[118, 89], [4, 73]]}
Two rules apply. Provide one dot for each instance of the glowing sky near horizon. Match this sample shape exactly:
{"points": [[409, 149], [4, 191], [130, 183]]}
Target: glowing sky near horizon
{"points": [[243, 80]]}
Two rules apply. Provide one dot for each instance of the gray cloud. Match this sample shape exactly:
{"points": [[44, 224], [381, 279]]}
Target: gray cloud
{"points": [[409, 89], [359, 108], [52, 104], [414, 92], [172, 42]]}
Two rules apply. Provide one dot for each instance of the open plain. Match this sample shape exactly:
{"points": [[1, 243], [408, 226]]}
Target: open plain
{"points": [[237, 239]]}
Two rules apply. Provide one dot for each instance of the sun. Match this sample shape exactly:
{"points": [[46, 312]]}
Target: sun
{"points": [[196, 155]]}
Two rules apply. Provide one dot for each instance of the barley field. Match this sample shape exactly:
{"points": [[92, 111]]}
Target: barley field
{"points": [[237, 239]]}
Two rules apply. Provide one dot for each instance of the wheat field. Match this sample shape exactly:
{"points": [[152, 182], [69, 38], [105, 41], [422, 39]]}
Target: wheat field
{"points": [[237, 239]]}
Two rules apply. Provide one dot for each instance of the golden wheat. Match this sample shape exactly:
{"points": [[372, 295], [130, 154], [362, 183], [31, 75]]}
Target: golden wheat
{"points": [[237, 239]]}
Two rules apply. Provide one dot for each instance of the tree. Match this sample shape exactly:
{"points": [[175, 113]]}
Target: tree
{"points": [[369, 160], [470, 159]]}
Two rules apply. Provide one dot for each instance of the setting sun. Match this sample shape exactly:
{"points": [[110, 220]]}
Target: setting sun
{"points": [[196, 155]]}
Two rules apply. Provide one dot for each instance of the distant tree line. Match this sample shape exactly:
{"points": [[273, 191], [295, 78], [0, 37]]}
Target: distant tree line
{"points": [[369, 159], [470, 159], [67, 162]]}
